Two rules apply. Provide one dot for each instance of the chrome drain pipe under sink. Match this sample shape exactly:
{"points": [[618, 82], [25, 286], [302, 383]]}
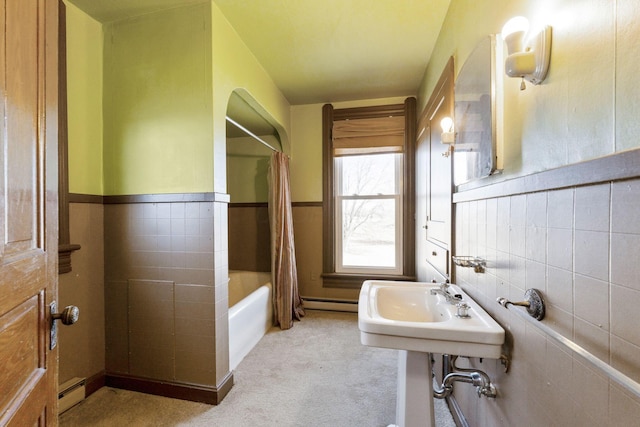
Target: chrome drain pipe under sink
{"points": [[478, 378]]}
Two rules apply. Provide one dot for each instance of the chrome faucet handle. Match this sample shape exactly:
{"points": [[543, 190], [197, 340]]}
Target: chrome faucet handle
{"points": [[463, 310]]}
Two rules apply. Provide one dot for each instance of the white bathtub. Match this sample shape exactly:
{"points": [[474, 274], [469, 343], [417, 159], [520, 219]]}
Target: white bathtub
{"points": [[250, 312]]}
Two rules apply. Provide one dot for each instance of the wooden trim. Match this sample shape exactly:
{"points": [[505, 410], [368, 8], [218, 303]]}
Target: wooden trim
{"points": [[65, 247], [166, 198], [442, 97], [249, 205], [446, 77], [614, 167], [328, 243], [63, 134], [307, 204], [194, 393], [354, 281], [329, 115], [224, 387], [369, 112], [86, 198], [94, 383], [408, 220], [64, 256]]}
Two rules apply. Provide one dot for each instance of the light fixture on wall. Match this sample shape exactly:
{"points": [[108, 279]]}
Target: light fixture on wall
{"points": [[528, 57], [448, 134]]}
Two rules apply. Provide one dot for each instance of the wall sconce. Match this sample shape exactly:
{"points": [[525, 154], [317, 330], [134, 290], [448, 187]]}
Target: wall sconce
{"points": [[527, 58], [448, 135]]}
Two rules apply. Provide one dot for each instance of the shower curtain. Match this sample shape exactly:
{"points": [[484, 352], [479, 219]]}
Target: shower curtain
{"points": [[287, 301]]}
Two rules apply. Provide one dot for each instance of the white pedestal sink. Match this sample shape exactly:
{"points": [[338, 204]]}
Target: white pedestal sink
{"points": [[414, 403], [407, 316]]}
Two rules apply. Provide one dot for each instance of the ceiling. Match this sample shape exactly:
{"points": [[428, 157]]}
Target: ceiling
{"points": [[115, 10], [322, 51], [339, 50]]}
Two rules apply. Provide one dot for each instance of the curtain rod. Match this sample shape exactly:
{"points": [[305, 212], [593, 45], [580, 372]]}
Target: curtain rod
{"points": [[248, 132]]}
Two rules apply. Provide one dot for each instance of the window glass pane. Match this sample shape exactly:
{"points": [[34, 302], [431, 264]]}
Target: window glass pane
{"points": [[369, 233], [370, 174]]}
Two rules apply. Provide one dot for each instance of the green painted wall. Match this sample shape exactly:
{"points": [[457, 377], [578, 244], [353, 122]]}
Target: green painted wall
{"points": [[158, 103], [589, 103], [84, 92], [148, 98], [236, 68]]}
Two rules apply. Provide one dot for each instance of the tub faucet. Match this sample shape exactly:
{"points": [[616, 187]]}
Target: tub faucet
{"points": [[443, 289]]}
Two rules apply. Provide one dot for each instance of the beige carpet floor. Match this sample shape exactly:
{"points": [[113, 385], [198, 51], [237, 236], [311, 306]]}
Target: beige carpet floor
{"points": [[315, 374]]}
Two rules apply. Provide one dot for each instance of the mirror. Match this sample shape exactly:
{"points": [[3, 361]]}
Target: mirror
{"points": [[475, 115]]}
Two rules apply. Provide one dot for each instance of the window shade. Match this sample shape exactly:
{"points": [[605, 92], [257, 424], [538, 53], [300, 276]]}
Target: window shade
{"points": [[362, 136]]}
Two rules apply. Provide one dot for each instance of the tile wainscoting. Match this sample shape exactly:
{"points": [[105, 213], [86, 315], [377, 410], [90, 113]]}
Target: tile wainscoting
{"points": [[576, 237], [166, 303]]}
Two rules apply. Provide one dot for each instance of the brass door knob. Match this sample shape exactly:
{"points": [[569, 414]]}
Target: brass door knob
{"points": [[69, 315]]}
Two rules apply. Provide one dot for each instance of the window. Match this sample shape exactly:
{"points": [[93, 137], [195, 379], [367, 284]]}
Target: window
{"points": [[368, 194], [368, 232]]}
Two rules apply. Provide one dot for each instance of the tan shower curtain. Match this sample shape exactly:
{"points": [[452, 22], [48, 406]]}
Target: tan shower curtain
{"points": [[287, 301]]}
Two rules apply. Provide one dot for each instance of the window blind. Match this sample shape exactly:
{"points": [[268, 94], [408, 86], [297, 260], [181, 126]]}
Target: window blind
{"points": [[366, 136]]}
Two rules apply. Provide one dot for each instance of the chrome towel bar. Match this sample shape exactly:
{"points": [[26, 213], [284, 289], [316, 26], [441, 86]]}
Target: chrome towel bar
{"points": [[615, 375]]}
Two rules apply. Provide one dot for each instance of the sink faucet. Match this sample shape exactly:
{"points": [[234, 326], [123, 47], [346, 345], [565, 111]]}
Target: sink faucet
{"points": [[443, 289]]}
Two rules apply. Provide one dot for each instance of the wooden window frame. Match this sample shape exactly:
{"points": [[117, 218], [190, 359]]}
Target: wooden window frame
{"points": [[332, 279], [397, 197]]}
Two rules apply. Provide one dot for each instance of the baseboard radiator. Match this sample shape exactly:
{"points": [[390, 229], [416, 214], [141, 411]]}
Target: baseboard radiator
{"points": [[71, 393], [314, 303]]}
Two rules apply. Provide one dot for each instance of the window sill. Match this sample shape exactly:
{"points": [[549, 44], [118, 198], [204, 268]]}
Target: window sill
{"points": [[354, 281]]}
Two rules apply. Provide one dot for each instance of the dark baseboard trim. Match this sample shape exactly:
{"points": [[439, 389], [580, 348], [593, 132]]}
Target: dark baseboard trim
{"points": [[94, 383], [194, 393], [614, 167], [224, 387]]}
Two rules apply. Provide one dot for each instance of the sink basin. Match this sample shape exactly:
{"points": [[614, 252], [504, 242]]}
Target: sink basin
{"points": [[406, 316], [407, 304]]}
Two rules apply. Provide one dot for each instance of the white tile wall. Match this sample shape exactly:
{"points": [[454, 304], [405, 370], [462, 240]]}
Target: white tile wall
{"points": [[592, 253], [581, 247], [592, 208], [625, 256], [560, 248], [592, 301]]}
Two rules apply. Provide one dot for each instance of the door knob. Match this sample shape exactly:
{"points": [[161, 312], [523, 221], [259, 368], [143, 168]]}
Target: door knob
{"points": [[69, 315]]}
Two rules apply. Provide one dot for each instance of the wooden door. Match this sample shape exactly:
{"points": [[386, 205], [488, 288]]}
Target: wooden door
{"points": [[28, 211], [439, 223]]}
